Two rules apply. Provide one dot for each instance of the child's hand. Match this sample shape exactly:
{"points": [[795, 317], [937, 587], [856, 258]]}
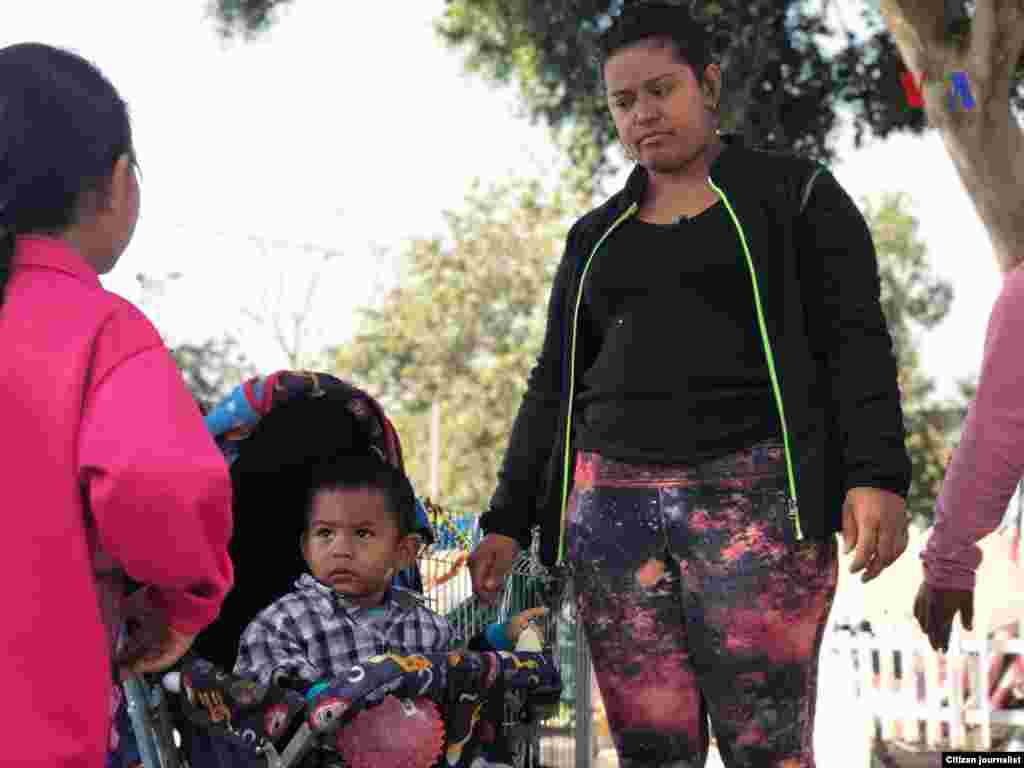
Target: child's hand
{"points": [[514, 626]]}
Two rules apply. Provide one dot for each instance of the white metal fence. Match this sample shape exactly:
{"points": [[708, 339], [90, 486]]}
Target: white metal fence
{"points": [[918, 696]]}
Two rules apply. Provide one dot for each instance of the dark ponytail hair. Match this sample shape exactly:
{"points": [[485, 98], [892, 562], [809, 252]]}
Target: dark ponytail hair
{"points": [[62, 128]]}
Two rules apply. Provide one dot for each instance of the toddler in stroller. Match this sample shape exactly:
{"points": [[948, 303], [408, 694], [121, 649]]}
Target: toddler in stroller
{"points": [[317, 670]]}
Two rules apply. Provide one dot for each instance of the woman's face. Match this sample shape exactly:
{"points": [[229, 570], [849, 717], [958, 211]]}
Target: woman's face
{"points": [[662, 114]]}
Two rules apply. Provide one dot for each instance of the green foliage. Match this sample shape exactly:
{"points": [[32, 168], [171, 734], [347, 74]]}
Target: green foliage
{"points": [[788, 73], [212, 369], [912, 296], [914, 300], [248, 18], [463, 327]]}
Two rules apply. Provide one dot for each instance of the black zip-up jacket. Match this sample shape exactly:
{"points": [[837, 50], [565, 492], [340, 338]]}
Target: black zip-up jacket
{"points": [[817, 275]]}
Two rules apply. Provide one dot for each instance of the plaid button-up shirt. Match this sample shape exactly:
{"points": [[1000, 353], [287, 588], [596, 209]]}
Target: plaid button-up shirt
{"points": [[314, 633]]}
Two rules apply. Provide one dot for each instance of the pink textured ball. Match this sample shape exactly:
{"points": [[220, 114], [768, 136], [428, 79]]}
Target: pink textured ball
{"points": [[393, 734]]}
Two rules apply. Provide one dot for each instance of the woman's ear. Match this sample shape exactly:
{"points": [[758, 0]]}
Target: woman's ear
{"points": [[123, 183], [713, 86], [115, 193]]}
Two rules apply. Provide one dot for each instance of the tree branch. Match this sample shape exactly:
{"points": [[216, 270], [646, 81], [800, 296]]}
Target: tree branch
{"points": [[997, 41], [984, 45], [1011, 18], [280, 336], [918, 26], [985, 142]]}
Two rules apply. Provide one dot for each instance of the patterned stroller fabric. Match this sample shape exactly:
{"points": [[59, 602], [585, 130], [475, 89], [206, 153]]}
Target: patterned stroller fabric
{"points": [[466, 682], [236, 719], [250, 714]]}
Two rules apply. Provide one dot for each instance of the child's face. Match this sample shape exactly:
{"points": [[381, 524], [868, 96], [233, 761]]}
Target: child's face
{"points": [[352, 544]]}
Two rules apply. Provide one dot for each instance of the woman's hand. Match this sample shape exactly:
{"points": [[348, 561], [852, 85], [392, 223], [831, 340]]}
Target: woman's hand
{"points": [[936, 608], [876, 523], [151, 645], [157, 656], [489, 565]]}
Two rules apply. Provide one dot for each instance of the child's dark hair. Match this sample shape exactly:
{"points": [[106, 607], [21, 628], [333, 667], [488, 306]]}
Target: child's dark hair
{"points": [[671, 23], [351, 473], [62, 128]]}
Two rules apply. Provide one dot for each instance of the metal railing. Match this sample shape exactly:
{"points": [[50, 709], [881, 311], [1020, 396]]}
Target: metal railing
{"points": [[564, 740]]}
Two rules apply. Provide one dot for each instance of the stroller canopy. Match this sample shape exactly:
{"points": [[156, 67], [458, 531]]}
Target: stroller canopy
{"points": [[272, 430]]}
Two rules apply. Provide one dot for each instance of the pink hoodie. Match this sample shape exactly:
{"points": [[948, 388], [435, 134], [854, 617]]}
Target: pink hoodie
{"points": [[102, 449], [989, 462]]}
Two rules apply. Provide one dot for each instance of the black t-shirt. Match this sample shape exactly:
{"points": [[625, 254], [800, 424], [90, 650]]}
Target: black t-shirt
{"points": [[680, 373]]}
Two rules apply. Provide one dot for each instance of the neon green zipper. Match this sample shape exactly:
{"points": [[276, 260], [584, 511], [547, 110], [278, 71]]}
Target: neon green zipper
{"points": [[566, 468], [794, 509]]}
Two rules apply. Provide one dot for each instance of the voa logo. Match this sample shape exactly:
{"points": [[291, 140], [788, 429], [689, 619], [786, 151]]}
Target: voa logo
{"points": [[958, 91]]}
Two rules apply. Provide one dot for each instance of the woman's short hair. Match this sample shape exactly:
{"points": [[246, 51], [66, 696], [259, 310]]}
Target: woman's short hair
{"points": [[659, 21]]}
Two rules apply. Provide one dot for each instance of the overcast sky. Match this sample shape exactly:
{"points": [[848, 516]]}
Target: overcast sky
{"points": [[351, 126]]}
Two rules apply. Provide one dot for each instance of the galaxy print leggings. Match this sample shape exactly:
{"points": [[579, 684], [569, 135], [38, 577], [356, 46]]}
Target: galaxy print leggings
{"points": [[699, 605]]}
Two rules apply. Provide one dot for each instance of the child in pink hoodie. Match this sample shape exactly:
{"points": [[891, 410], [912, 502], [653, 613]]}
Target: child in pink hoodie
{"points": [[107, 466]]}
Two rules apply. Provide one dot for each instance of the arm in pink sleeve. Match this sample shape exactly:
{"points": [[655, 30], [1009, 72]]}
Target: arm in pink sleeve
{"points": [[989, 462], [157, 487]]}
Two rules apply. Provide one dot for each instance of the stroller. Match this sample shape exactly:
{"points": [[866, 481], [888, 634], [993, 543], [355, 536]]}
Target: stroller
{"points": [[442, 709]]}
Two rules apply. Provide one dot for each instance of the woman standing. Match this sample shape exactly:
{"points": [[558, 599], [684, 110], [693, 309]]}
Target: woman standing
{"points": [[108, 470], [718, 368]]}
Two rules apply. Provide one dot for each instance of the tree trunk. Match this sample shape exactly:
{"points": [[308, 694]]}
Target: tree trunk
{"points": [[986, 142]]}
